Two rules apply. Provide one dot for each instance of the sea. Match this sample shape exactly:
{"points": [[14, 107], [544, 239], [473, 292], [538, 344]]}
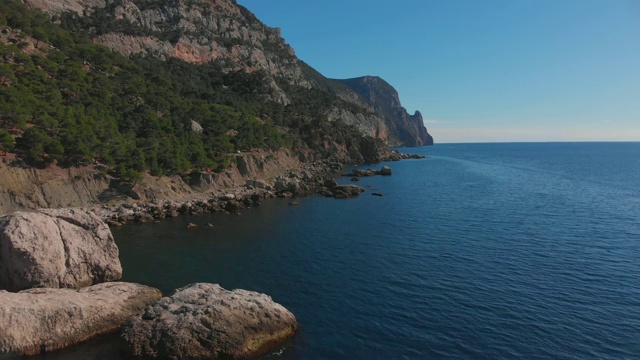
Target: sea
{"points": [[479, 251]]}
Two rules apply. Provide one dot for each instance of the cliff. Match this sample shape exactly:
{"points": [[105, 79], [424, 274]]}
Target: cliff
{"points": [[404, 129], [26, 187], [204, 86], [223, 31]]}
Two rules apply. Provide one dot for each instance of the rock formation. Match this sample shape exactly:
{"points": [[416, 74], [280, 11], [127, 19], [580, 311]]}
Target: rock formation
{"points": [[346, 191], [222, 31], [404, 129], [58, 248], [385, 170], [205, 321], [40, 320]]}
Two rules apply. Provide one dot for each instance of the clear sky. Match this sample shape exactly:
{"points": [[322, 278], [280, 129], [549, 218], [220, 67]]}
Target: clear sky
{"points": [[483, 71]]}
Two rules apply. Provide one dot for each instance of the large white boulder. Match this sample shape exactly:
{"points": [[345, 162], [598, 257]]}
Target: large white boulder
{"points": [[56, 248], [205, 321], [39, 320]]}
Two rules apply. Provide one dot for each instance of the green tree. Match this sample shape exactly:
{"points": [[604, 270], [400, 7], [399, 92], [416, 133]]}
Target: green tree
{"points": [[38, 147], [7, 142]]}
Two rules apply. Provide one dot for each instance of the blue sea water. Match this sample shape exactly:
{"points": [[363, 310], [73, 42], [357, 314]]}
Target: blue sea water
{"points": [[481, 251]]}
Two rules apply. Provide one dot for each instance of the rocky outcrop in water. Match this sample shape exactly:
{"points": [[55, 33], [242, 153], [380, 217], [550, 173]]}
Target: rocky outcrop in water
{"points": [[384, 171], [41, 320], [57, 248], [205, 321], [331, 189]]}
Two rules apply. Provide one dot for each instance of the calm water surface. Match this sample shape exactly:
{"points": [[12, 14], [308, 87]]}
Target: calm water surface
{"points": [[481, 251]]}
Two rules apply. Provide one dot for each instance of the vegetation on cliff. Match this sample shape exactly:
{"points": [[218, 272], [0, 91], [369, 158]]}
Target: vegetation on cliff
{"points": [[69, 100]]}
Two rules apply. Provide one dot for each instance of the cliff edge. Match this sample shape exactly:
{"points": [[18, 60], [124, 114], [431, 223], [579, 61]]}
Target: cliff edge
{"points": [[404, 129]]}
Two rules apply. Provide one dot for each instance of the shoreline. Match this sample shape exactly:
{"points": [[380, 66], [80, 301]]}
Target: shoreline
{"points": [[235, 189], [315, 177], [308, 182]]}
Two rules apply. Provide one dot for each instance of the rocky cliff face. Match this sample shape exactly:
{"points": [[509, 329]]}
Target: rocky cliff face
{"points": [[404, 129], [200, 31], [25, 188], [194, 31]]}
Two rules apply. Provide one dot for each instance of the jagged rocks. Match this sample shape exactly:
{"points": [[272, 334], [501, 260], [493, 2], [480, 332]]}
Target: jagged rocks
{"points": [[395, 155], [349, 190], [39, 320], [258, 184], [330, 183], [358, 173], [58, 248], [362, 172], [205, 321], [331, 189]]}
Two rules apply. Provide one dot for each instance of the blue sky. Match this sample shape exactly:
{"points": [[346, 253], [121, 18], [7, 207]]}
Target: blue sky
{"points": [[483, 71]]}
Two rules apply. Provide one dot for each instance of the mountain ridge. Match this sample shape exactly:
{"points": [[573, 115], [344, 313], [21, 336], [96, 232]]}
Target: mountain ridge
{"points": [[226, 32], [81, 123]]}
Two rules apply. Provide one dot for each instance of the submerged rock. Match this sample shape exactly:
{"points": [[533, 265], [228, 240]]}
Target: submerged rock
{"points": [[35, 321], [205, 321], [56, 248]]}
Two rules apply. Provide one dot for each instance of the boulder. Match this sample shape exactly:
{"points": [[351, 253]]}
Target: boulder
{"points": [[294, 186], [340, 195], [330, 183], [205, 321], [56, 248], [280, 185], [370, 172], [285, 194], [385, 171], [258, 184], [196, 127], [325, 192], [349, 190], [362, 173], [35, 321], [228, 197]]}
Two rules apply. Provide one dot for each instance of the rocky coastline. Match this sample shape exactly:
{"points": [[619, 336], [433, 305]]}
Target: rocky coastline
{"points": [[260, 174], [316, 178], [59, 273]]}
